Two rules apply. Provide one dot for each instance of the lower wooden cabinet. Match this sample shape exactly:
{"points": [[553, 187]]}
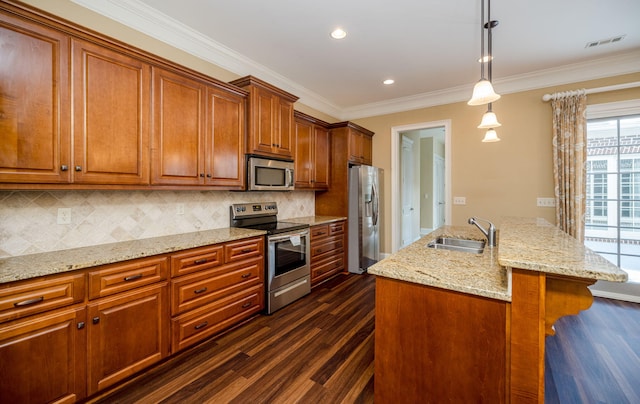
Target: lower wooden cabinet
{"points": [[43, 358], [327, 251], [127, 332]]}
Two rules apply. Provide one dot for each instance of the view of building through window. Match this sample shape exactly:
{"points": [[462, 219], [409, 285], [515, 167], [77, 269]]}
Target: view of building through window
{"points": [[613, 191]]}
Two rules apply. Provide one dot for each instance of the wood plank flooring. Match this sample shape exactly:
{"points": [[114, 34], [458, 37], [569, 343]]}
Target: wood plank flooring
{"points": [[320, 350]]}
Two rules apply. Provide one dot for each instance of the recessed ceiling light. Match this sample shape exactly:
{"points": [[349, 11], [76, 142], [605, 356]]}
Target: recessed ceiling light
{"points": [[388, 81], [338, 33]]}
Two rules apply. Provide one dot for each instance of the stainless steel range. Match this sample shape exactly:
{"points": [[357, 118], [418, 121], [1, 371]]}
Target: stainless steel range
{"points": [[288, 275]]}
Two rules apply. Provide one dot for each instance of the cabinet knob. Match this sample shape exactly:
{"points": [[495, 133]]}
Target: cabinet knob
{"points": [[208, 175], [64, 167], [78, 168], [80, 325], [202, 175], [95, 320]]}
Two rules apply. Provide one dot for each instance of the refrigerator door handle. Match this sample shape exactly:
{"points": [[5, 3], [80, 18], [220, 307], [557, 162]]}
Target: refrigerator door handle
{"points": [[374, 202]]}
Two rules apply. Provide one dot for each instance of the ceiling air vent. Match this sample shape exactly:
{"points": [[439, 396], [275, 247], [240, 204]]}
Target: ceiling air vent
{"points": [[605, 41]]}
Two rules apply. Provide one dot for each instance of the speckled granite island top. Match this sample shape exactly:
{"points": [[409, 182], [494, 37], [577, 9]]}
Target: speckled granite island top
{"points": [[315, 220], [55, 262], [531, 244]]}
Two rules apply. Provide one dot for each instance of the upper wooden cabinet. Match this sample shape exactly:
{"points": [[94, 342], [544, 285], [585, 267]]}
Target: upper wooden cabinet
{"points": [[312, 152], [111, 97], [198, 132], [34, 103], [270, 118], [359, 141]]}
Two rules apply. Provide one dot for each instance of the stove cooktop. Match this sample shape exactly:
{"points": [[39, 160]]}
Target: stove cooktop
{"points": [[261, 216]]}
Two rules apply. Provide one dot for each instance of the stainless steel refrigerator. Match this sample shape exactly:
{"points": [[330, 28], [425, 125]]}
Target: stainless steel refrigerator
{"points": [[364, 217]]}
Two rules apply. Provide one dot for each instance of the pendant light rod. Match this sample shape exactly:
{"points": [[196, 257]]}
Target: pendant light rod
{"points": [[488, 26], [482, 55]]}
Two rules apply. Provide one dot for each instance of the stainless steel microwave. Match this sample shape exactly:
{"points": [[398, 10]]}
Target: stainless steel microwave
{"points": [[265, 174]]}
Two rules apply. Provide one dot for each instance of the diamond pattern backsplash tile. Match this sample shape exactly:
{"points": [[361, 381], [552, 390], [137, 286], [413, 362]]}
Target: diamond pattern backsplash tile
{"points": [[29, 219]]}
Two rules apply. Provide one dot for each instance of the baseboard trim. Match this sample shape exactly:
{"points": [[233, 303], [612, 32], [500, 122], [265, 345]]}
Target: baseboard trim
{"points": [[616, 296]]}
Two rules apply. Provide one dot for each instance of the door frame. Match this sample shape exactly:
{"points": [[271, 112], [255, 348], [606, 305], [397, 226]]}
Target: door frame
{"points": [[396, 205]]}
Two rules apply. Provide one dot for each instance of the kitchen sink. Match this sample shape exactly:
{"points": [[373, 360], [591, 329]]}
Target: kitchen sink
{"points": [[458, 244]]}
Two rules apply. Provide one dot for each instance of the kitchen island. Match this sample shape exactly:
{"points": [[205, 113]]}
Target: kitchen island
{"points": [[460, 327]]}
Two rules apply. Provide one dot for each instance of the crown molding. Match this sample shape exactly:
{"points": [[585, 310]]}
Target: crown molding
{"points": [[145, 19]]}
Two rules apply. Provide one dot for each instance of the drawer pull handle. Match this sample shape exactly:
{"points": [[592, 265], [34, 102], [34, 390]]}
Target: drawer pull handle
{"points": [[29, 302], [200, 261], [246, 250], [132, 277], [201, 325], [202, 290], [246, 275], [247, 304]]}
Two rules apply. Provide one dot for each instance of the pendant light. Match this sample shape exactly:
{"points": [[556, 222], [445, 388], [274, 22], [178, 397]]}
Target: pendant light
{"points": [[483, 92], [489, 120], [491, 136]]}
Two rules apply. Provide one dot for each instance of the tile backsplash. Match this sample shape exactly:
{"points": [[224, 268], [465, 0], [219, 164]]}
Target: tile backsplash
{"points": [[29, 219]]}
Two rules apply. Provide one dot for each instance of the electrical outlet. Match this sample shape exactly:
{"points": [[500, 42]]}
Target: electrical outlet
{"points": [[64, 215], [546, 202], [459, 200], [180, 209]]}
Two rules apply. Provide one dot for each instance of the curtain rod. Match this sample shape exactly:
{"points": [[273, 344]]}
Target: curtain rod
{"points": [[561, 94]]}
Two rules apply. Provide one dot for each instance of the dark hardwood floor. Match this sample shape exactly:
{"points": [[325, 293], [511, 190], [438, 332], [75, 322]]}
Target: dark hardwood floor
{"points": [[595, 356], [320, 350]]}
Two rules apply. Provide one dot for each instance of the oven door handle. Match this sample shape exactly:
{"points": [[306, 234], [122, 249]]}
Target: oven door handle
{"points": [[287, 236]]}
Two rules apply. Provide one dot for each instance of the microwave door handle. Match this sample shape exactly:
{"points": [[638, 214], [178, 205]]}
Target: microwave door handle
{"points": [[290, 177]]}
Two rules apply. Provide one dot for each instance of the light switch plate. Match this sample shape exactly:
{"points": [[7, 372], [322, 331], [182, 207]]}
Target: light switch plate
{"points": [[459, 200], [546, 202]]}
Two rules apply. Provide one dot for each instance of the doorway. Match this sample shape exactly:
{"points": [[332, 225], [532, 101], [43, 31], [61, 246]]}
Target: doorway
{"points": [[420, 180]]}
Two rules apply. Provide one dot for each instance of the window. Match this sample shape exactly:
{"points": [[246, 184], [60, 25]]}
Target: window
{"points": [[612, 220]]}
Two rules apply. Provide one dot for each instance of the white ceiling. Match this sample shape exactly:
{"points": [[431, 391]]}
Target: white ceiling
{"points": [[429, 47]]}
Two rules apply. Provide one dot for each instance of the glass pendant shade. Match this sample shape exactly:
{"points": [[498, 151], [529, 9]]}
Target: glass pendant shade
{"points": [[483, 93], [489, 120], [491, 136]]}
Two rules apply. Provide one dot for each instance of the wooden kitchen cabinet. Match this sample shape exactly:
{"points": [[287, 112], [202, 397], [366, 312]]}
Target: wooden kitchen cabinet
{"points": [[211, 297], [43, 357], [35, 104], [198, 132], [312, 152], [327, 251], [127, 332], [270, 118], [111, 104], [359, 141]]}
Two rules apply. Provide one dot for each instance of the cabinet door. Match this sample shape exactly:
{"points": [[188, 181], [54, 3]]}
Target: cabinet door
{"points": [[225, 139], [303, 154], [283, 135], [367, 149], [34, 103], [177, 149], [43, 358], [355, 147], [262, 121], [111, 116], [126, 333], [321, 158]]}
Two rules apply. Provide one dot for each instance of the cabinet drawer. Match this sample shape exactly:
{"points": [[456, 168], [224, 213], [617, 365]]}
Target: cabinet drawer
{"points": [[336, 228], [326, 268], [243, 249], [31, 297], [208, 320], [331, 243], [195, 290], [115, 278], [196, 259], [320, 231]]}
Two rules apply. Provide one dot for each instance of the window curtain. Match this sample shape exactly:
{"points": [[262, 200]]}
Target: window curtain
{"points": [[569, 162]]}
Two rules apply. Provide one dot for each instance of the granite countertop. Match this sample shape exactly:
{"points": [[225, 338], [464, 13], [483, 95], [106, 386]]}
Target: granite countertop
{"points": [[56, 262], [315, 220], [530, 244]]}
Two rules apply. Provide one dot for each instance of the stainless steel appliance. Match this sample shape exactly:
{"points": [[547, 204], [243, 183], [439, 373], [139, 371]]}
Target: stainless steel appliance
{"points": [[364, 217], [265, 174], [288, 276]]}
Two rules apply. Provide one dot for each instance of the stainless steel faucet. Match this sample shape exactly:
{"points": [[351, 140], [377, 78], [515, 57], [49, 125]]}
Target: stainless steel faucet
{"points": [[490, 233]]}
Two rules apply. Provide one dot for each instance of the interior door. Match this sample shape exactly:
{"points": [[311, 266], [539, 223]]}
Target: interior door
{"points": [[407, 191], [438, 191]]}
